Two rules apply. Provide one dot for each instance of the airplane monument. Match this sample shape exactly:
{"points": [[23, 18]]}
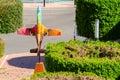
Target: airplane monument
{"points": [[39, 31]]}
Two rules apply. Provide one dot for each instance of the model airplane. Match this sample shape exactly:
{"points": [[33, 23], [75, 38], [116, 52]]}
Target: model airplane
{"points": [[39, 30]]}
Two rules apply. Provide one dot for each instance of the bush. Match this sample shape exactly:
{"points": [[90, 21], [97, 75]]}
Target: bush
{"points": [[101, 58], [65, 76], [107, 11], [75, 1], [2, 47], [10, 15]]}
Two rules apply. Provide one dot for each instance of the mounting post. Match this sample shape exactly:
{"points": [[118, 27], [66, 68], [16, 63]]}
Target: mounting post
{"points": [[43, 3], [96, 29]]}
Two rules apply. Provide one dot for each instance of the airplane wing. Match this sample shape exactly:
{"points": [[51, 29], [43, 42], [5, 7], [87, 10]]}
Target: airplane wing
{"points": [[33, 31], [23, 31], [54, 32]]}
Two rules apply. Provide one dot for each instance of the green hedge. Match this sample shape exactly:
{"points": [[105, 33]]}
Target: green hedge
{"points": [[58, 58], [107, 11], [2, 47], [75, 1], [64, 76], [11, 12]]}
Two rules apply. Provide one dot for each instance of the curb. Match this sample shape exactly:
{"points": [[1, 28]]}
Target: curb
{"points": [[49, 5], [3, 61]]}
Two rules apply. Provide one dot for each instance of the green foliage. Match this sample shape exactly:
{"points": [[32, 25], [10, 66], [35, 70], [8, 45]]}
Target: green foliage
{"points": [[101, 58], [75, 1], [2, 47], [23, 79], [107, 11], [10, 15], [64, 76]]}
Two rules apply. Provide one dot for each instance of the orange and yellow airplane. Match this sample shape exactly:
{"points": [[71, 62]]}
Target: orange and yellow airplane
{"points": [[39, 30]]}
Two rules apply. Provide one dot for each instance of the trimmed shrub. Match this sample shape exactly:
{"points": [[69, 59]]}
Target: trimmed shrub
{"points": [[75, 1], [2, 47], [101, 58], [65, 76], [107, 11], [10, 15]]}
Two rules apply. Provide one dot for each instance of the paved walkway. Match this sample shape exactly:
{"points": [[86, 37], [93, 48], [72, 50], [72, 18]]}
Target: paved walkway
{"points": [[17, 66]]}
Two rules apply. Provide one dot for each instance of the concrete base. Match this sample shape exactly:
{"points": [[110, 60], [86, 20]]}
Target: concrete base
{"points": [[39, 67]]}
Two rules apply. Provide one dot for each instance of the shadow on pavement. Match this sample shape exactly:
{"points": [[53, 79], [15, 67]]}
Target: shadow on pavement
{"points": [[25, 62]]}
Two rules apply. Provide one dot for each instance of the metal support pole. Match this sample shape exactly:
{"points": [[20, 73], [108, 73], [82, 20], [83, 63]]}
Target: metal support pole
{"points": [[38, 57], [43, 3], [75, 33], [96, 29], [38, 52], [39, 48]]}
